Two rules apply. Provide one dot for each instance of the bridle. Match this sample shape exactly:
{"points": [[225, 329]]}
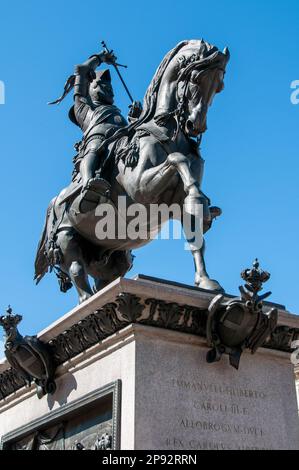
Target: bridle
{"points": [[179, 113]]}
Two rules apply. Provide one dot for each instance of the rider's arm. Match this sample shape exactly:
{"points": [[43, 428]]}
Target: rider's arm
{"points": [[84, 75], [85, 72]]}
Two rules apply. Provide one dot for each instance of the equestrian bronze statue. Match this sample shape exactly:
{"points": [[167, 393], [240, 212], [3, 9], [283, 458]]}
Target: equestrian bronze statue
{"points": [[150, 158]]}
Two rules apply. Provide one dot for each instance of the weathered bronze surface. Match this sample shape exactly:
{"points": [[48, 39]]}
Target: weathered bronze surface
{"points": [[29, 357], [240, 323], [153, 159]]}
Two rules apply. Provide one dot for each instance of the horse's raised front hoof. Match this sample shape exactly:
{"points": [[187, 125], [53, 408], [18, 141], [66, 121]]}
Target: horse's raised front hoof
{"points": [[215, 212], [208, 284]]}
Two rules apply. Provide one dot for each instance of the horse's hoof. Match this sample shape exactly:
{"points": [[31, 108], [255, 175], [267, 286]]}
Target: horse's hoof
{"points": [[208, 284], [83, 298], [215, 212]]}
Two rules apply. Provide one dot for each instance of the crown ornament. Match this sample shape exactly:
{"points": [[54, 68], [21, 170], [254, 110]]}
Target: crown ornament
{"points": [[254, 279], [10, 320], [30, 359], [240, 323]]}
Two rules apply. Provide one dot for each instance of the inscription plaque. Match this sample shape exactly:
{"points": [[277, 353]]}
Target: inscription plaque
{"points": [[203, 406], [222, 412]]}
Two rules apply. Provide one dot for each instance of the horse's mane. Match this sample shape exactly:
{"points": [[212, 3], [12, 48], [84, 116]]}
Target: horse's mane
{"points": [[207, 53], [150, 98]]}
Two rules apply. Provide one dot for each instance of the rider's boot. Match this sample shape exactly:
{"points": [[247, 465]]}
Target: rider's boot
{"points": [[93, 192]]}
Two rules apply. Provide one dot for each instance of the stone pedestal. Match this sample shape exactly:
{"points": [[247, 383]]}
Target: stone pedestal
{"points": [[184, 403], [137, 352]]}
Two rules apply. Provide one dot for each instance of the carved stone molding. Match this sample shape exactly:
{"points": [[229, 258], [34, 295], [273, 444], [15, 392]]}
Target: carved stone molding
{"points": [[125, 310], [114, 316], [282, 338]]}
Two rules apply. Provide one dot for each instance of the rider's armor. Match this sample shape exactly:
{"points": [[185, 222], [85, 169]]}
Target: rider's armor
{"points": [[96, 119]]}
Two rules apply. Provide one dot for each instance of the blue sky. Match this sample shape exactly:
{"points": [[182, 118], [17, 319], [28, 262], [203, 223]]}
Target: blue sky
{"points": [[251, 147]]}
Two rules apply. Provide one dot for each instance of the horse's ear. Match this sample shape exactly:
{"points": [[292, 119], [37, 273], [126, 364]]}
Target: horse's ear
{"points": [[226, 53]]}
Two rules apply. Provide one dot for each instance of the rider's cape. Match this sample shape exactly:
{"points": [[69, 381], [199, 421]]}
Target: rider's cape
{"points": [[41, 265]]}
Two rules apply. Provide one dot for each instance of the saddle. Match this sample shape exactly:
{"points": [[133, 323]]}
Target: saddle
{"points": [[126, 148]]}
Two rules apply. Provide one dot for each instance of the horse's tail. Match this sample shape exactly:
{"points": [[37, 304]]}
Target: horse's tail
{"points": [[41, 264]]}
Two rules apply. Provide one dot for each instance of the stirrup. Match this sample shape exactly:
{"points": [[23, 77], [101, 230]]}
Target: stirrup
{"points": [[96, 190], [97, 185]]}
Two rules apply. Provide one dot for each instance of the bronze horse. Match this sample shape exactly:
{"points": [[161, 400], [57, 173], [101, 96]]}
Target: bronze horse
{"points": [[153, 160]]}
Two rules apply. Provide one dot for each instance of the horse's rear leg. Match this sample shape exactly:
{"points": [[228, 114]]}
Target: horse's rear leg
{"points": [[73, 263], [202, 278], [78, 275]]}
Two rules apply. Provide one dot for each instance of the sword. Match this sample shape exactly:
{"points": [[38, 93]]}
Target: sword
{"points": [[117, 71]]}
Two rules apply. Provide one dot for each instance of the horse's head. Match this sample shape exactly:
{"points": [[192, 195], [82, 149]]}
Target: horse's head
{"points": [[186, 83], [197, 88]]}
